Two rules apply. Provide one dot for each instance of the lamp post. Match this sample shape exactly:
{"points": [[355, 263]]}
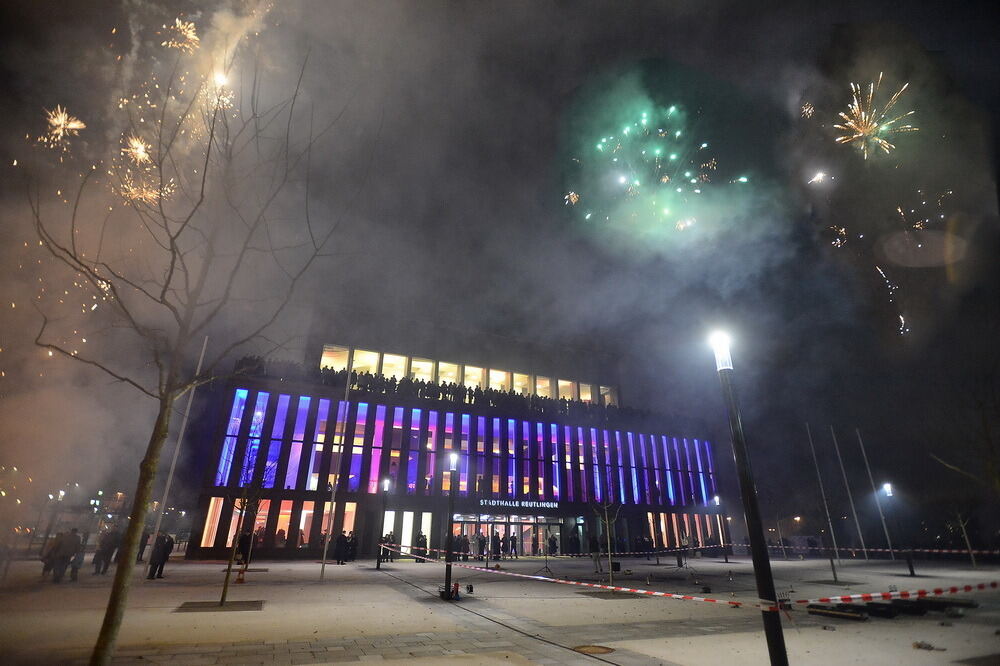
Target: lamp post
{"points": [[385, 502], [449, 539], [758, 546], [888, 490]]}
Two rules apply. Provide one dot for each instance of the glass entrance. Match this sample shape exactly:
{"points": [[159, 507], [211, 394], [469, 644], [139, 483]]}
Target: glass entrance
{"points": [[534, 534]]}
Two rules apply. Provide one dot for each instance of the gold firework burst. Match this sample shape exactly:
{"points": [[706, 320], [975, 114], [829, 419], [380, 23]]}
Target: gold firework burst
{"points": [[808, 110], [137, 150], [866, 125], [571, 198], [61, 126], [181, 36]]}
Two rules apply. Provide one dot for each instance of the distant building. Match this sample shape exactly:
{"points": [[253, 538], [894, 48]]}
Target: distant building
{"points": [[536, 454]]}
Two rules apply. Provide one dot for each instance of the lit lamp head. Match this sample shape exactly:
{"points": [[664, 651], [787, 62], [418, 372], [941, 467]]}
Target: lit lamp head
{"points": [[453, 459], [720, 342], [887, 487], [797, 519], [385, 485], [717, 500], [220, 78]]}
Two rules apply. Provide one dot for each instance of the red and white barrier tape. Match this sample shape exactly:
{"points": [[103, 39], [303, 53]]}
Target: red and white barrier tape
{"points": [[614, 588], [765, 606], [901, 594]]}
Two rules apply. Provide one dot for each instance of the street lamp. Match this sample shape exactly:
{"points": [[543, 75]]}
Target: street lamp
{"points": [[720, 342], [385, 502], [449, 539], [887, 489]]}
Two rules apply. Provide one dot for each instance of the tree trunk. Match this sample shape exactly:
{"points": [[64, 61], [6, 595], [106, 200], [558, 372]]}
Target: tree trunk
{"points": [[105, 646], [965, 535], [232, 551]]}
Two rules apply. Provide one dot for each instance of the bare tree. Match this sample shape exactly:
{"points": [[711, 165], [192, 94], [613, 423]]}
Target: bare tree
{"points": [[247, 505], [607, 513], [196, 219]]}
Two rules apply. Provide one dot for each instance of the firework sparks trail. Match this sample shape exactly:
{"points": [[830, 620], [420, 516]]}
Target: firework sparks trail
{"points": [[808, 110], [867, 125], [61, 126], [182, 36], [649, 171]]}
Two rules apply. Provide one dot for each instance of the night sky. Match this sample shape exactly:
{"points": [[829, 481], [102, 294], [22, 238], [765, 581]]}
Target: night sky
{"points": [[459, 132]]}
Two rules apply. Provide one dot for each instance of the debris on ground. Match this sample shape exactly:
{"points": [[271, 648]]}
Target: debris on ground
{"points": [[924, 645]]}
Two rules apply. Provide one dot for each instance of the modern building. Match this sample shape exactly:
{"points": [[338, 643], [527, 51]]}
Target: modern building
{"points": [[538, 456]]}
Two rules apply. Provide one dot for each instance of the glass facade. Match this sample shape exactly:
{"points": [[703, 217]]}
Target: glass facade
{"points": [[315, 445]]}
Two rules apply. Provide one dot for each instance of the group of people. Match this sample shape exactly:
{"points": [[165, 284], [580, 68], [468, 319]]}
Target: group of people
{"points": [[527, 405], [345, 547], [63, 551], [66, 550]]}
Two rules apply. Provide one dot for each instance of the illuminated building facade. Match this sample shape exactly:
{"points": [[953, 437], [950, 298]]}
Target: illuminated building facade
{"points": [[524, 472]]}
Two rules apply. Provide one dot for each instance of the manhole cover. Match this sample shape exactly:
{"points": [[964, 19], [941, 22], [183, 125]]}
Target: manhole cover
{"points": [[593, 649]]}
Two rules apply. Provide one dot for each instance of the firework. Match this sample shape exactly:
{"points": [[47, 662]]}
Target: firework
{"points": [[137, 150], [649, 171], [135, 190], [61, 126], [818, 178], [808, 110], [181, 36], [866, 125]]}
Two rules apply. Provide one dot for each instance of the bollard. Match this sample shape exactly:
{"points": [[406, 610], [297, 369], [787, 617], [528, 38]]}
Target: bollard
{"points": [[909, 562], [833, 568]]}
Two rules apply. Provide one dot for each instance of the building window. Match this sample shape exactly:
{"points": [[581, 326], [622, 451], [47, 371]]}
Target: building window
{"points": [[365, 361], [567, 389], [431, 445], [474, 377], [334, 357], [336, 449], [284, 518], [277, 433], [499, 380], [253, 443], [422, 368], [521, 384], [609, 395], [295, 454], [357, 449], [232, 430], [305, 524], [543, 387], [393, 365], [447, 373], [323, 413], [586, 394], [376, 456], [413, 452], [212, 517]]}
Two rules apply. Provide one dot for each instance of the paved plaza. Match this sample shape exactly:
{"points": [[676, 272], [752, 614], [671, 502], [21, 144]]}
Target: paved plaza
{"points": [[362, 614]]}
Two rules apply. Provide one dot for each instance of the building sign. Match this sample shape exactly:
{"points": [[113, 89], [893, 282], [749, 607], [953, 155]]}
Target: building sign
{"points": [[519, 504]]}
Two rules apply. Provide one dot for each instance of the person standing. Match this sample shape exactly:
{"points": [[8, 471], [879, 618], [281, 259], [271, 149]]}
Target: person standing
{"points": [[243, 548], [390, 539], [553, 545], [340, 548], [495, 545], [465, 547], [77, 562], [504, 547], [106, 547], [352, 546], [64, 552], [142, 545], [48, 555], [595, 554], [480, 546], [162, 547], [421, 547], [513, 545]]}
